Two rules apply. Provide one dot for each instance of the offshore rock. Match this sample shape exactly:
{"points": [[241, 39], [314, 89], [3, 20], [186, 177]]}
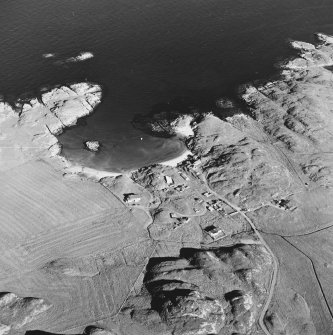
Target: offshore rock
{"points": [[81, 57], [93, 146]]}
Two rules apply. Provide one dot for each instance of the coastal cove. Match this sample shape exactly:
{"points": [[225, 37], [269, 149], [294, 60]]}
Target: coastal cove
{"points": [[223, 242], [166, 167], [146, 54]]}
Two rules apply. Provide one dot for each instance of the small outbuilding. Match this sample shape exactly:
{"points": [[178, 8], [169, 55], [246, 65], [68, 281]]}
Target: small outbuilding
{"points": [[214, 232], [184, 176], [168, 180]]}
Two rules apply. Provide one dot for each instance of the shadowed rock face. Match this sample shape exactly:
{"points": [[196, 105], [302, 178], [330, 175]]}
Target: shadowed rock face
{"points": [[206, 291], [90, 330], [16, 312], [190, 312], [156, 124]]}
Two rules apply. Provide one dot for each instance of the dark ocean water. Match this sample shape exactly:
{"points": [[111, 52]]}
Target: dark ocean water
{"points": [[147, 52]]}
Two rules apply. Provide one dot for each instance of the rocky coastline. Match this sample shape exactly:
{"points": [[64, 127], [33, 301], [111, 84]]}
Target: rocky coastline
{"points": [[236, 238], [33, 128]]}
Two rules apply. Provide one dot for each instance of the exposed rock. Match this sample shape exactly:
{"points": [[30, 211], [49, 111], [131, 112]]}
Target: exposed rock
{"points": [[209, 291], [82, 56], [182, 126], [69, 104], [70, 267], [167, 120], [16, 312], [246, 172], [325, 38], [93, 146], [224, 103], [302, 45], [48, 55], [312, 56], [31, 132]]}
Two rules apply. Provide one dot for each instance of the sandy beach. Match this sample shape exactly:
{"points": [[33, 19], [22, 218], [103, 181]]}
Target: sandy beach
{"points": [[175, 161]]}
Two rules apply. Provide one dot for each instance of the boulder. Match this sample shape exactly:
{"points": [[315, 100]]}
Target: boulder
{"points": [[92, 145]]}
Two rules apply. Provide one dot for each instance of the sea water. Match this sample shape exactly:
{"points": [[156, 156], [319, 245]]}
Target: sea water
{"points": [[146, 53]]}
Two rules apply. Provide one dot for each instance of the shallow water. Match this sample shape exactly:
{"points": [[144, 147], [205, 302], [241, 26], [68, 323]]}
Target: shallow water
{"points": [[147, 52]]}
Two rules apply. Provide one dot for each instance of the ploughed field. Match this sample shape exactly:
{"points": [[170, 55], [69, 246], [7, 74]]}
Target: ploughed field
{"points": [[236, 239]]}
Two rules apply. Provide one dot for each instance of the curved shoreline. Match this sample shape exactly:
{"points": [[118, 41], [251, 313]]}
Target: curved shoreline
{"points": [[177, 160], [248, 168]]}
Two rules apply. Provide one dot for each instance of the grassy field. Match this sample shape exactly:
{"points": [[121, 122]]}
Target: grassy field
{"points": [[296, 281], [72, 242]]}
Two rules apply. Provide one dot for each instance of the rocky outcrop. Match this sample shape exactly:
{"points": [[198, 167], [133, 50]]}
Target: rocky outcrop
{"points": [[208, 291], [60, 61], [93, 146], [170, 120], [16, 311], [81, 57], [246, 172], [296, 110], [312, 55], [31, 131]]}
